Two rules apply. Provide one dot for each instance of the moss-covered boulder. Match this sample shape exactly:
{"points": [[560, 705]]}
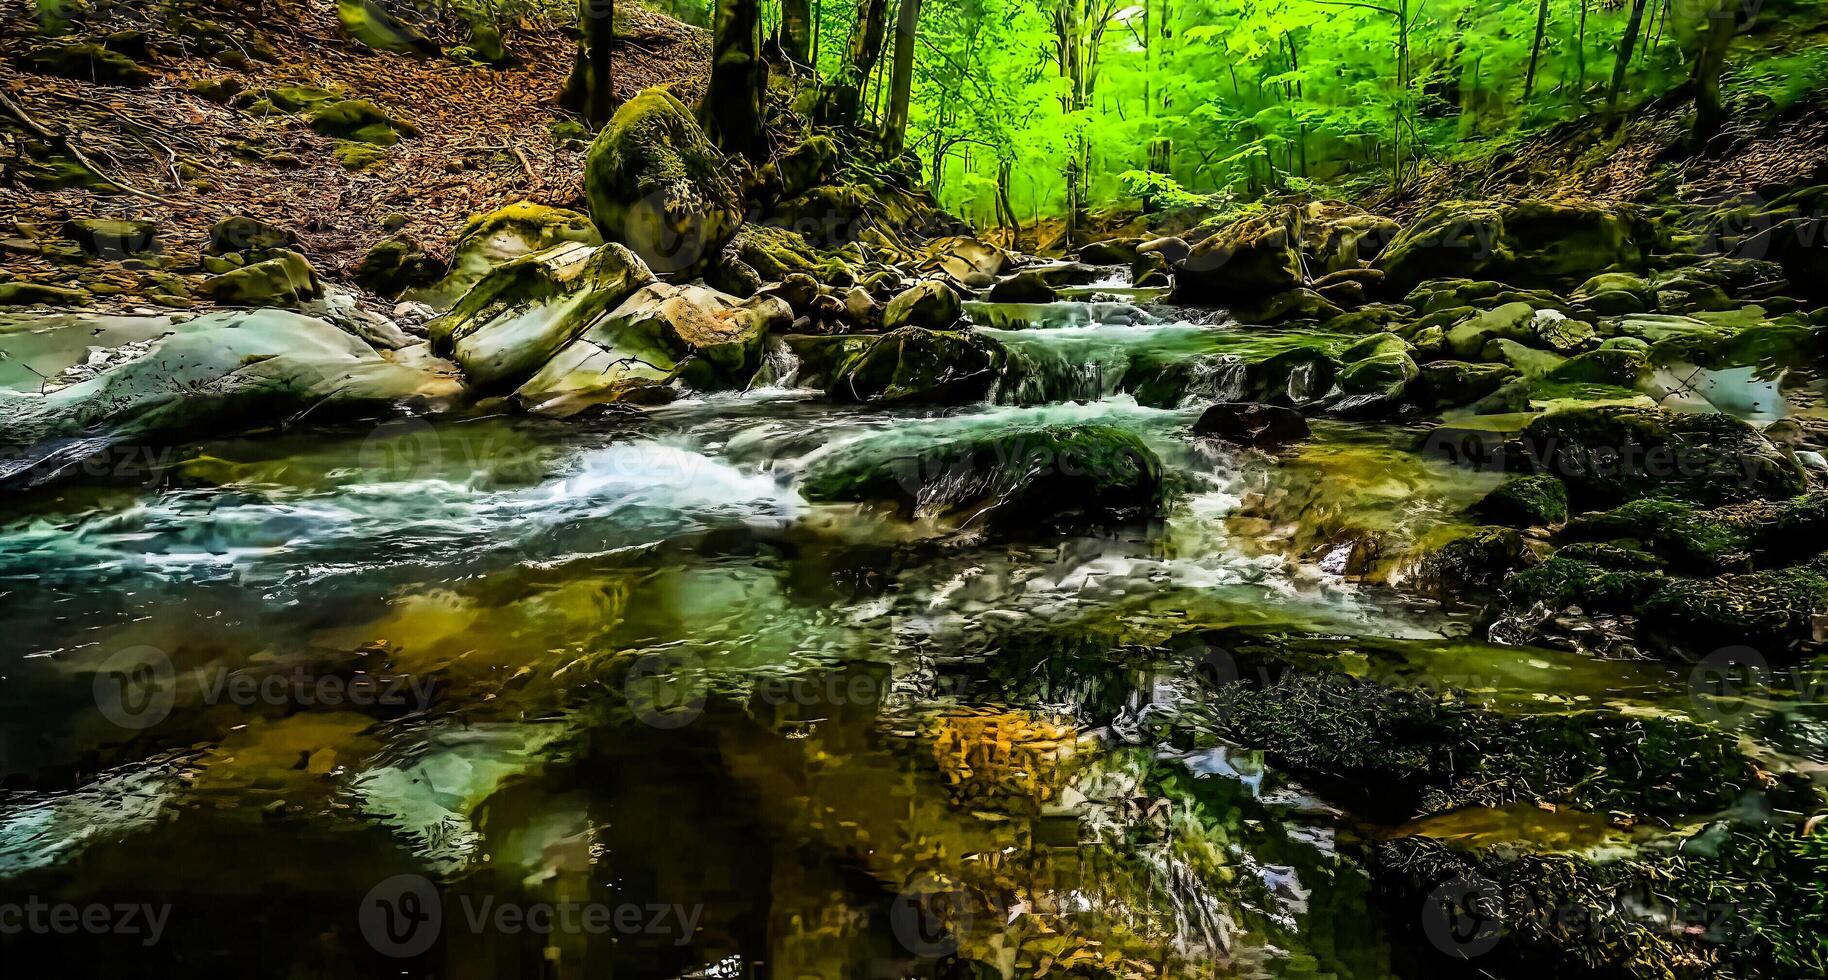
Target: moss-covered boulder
{"points": [[1778, 609], [1450, 384], [109, 238], [1615, 293], [800, 168], [1531, 501], [1736, 537], [1029, 479], [240, 233], [1375, 383], [1524, 243], [385, 26], [395, 264], [1244, 262], [657, 185], [1609, 455], [909, 365], [19, 293], [1472, 565], [88, 62], [931, 304], [1618, 367], [1468, 338], [283, 281], [358, 121], [1337, 236], [1023, 287], [497, 237]]}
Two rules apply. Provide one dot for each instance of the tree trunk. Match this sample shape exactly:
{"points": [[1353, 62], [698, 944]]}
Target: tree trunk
{"points": [[1626, 44], [796, 32], [591, 90], [843, 98], [1710, 114], [732, 109], [901, 87], [1542, 23]]}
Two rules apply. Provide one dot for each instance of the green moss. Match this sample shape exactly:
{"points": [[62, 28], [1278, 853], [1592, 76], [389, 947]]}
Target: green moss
{"points": [[656, 184], [1530, 501], [1769, 610], [1561, 582], [1610, 455], [358, 156], [358, 120], [88, 62]]}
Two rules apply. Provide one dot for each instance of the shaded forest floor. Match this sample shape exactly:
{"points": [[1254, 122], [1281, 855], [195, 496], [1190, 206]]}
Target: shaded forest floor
{"points": [[486, 136]]}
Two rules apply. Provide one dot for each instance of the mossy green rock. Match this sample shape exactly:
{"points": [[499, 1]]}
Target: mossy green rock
{"points": [[113, 239], [1379, 343], [359, 121], [38, 293], [88, 62], [1446, 384], [1622, 368], [395, 264], [931, 304], [490, 240], [358, 156], [1531, 501], [1374, 383], [1468, 337], [285, 280], [1246, 261], [370, 23], [240, 233], [1041, 478], [1610, 455], [909, 365], [657, 185], [1475, 564], [1770, 610], [1525, 243]]}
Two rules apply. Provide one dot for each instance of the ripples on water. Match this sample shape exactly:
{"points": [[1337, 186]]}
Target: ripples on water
{"points": [[627, 664]]}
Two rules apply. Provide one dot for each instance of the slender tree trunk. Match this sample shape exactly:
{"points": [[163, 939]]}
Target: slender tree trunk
{"points": [[796, 32], [1542, 23], [1580, 54], [901, 87], [1626, 44], [591, 90], [1723, 22], [843, 98], [732, 109]]}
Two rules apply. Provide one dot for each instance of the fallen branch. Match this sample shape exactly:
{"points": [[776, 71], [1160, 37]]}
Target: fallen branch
{"points": [[67, 145]]}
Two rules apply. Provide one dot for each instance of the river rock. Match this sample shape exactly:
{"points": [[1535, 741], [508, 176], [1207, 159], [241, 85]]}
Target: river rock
{"points": [[657, 185], [931, 304], [1447, 384], [1057, 477], [526, 310], [1609, 455], [1524, 243], [286, 280], [908, 365], [1252, 424], [1023, 287], [1530, 501], [1245, 262], [500, 236], [1338, 236]]}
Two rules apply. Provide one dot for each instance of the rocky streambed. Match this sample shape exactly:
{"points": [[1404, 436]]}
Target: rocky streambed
{"points": [[1323, 598]]}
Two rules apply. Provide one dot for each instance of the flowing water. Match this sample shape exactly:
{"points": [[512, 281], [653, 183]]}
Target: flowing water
{"points": [[501, 697]]}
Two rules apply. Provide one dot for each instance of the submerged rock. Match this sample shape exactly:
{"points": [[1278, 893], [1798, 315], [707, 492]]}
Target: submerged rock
{"points": [[1252, 424], [909, 365], [657, 185], [1023, 479]]}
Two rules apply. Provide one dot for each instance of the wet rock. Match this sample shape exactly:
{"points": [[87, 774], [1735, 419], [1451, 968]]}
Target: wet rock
{"points": [[1337, 236], [657, 185], [286, 280], [395, 264], [1615, 293], [1526, 243], [931, 304], [523, 312], [1252, 424], [1115, 251], [970, 261], [40, 294], [1607, 456], [1247, 261], [1476, 564], [1024, 480], [500, 236], [1620, 367], [1304, 304], [1446, 384], [1023, 287], [1736, 537], [1775, 610], [1561, 334], [219, 374], [1467, 339], [1531, 501], [908, 365], [1374, 384]]}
